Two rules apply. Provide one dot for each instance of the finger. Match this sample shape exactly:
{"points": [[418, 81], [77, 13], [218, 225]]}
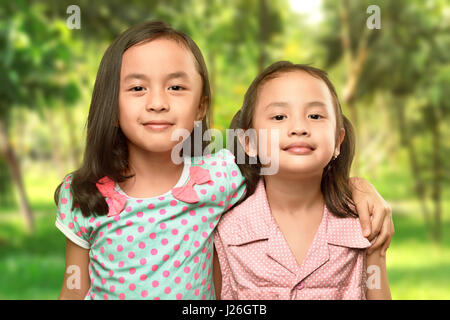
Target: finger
{"points": [[385, 247], [382, 238], [378, 221], [388, 242], [364, 218]]}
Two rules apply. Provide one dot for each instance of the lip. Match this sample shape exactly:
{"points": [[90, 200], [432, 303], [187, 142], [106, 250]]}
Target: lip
{"points": [[299, 148], [157, 125]]}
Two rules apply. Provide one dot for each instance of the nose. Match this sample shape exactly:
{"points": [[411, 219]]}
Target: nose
{"points": [[299, 129], [157, 102], [158, 108]]}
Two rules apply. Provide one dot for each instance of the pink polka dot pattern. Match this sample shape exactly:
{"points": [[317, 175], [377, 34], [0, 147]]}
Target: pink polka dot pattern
{"points": [[152, 249], [257, 263]]}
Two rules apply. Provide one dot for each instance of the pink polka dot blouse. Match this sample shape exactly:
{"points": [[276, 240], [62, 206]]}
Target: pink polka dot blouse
{"points": [[257, 263], [160, 247]]}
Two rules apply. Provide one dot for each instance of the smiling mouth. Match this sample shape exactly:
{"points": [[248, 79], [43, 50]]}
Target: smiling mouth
{"points": [[157, 125], [299, 148]]}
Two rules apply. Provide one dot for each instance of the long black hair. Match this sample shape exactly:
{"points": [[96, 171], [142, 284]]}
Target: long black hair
{"points": [[106, 151]]}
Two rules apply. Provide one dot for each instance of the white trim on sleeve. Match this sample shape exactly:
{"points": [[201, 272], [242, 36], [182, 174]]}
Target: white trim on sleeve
{"points": [[71, 236]]}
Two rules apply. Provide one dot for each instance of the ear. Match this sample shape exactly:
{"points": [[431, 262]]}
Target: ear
{"points": [[202, 108], [337, 150], [248, 142]]}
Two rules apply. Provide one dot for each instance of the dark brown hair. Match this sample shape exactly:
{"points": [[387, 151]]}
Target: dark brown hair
{"points": [[106, 152], [335, 179]]}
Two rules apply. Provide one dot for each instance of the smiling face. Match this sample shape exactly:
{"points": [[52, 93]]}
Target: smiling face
{"points": [[299, 106], [160, 92]]}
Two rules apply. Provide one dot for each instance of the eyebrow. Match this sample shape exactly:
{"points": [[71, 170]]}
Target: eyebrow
{"points": [[136, 76], [176, 75], [276, 104], [316, 104], [173, 75], [286, 104]]}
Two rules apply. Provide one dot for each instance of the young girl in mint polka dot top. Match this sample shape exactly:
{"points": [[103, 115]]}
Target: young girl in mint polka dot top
{"points": [[139, 225]]}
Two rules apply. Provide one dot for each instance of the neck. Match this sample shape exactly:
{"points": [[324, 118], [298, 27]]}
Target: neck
{"points": [[294, 195], [154, 173]]}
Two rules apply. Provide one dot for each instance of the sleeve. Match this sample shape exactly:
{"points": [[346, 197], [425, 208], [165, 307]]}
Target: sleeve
{"points": [[70, 222], [224, 267], [236, 185]]}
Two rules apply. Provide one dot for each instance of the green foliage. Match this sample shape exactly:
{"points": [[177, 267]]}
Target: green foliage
{"points": [[33, 51]]}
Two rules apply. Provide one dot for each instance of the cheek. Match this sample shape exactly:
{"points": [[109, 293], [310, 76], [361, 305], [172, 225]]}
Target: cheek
{"points": [[129, 112], [186, 107], [267, 143], [327, 145], [186, 117]]}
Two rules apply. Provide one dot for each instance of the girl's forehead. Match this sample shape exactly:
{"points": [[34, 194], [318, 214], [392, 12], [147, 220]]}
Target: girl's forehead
{"points": [[158, 57], [295, 85]]}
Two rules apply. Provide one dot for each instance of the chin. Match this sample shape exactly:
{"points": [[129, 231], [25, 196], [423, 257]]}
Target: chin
{"points": [[157, 145], [301, 168]]}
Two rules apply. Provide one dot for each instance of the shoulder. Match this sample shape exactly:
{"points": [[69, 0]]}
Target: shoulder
{"points": [[69, 218], [345, 231], [225, 177], [247, 219], [221, 159], [65, 190], [220, 164]]}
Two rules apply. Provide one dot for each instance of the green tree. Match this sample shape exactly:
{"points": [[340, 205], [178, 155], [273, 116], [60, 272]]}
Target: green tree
{"points": [[408, 60], [34, 52]]}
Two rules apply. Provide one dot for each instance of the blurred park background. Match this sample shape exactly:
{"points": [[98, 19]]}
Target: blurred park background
{"points": [[393, 83]]}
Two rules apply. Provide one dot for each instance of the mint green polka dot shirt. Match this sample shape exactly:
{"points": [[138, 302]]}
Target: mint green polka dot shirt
{"points": [[160, 247]]}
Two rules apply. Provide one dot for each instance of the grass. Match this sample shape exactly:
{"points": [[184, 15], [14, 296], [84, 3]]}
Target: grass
{"points": [[31, 266], [417, 268]]}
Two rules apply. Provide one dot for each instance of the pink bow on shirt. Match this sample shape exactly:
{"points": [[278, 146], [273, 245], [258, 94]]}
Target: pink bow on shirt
{"points": [[116, 201], [187, 192]]}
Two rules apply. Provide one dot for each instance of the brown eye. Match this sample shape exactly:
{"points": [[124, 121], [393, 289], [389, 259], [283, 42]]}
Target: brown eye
{"points": [[137, 88], [176, 88], [315, 116], [278, 117]]}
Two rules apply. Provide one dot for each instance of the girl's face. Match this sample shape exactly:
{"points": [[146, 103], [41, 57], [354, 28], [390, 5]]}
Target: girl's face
{"points": [[160, 91], [299, 107]]}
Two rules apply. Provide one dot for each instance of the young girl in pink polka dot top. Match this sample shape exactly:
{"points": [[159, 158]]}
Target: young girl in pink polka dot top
{"points": [[296, 235], [138, 225]]}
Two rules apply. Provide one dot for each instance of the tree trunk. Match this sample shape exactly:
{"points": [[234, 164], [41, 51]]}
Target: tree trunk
{"points": [[57, 157], [355, 65], [11, 160], [437, 174], [74, 148], [405, 138], [262, 34]]}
